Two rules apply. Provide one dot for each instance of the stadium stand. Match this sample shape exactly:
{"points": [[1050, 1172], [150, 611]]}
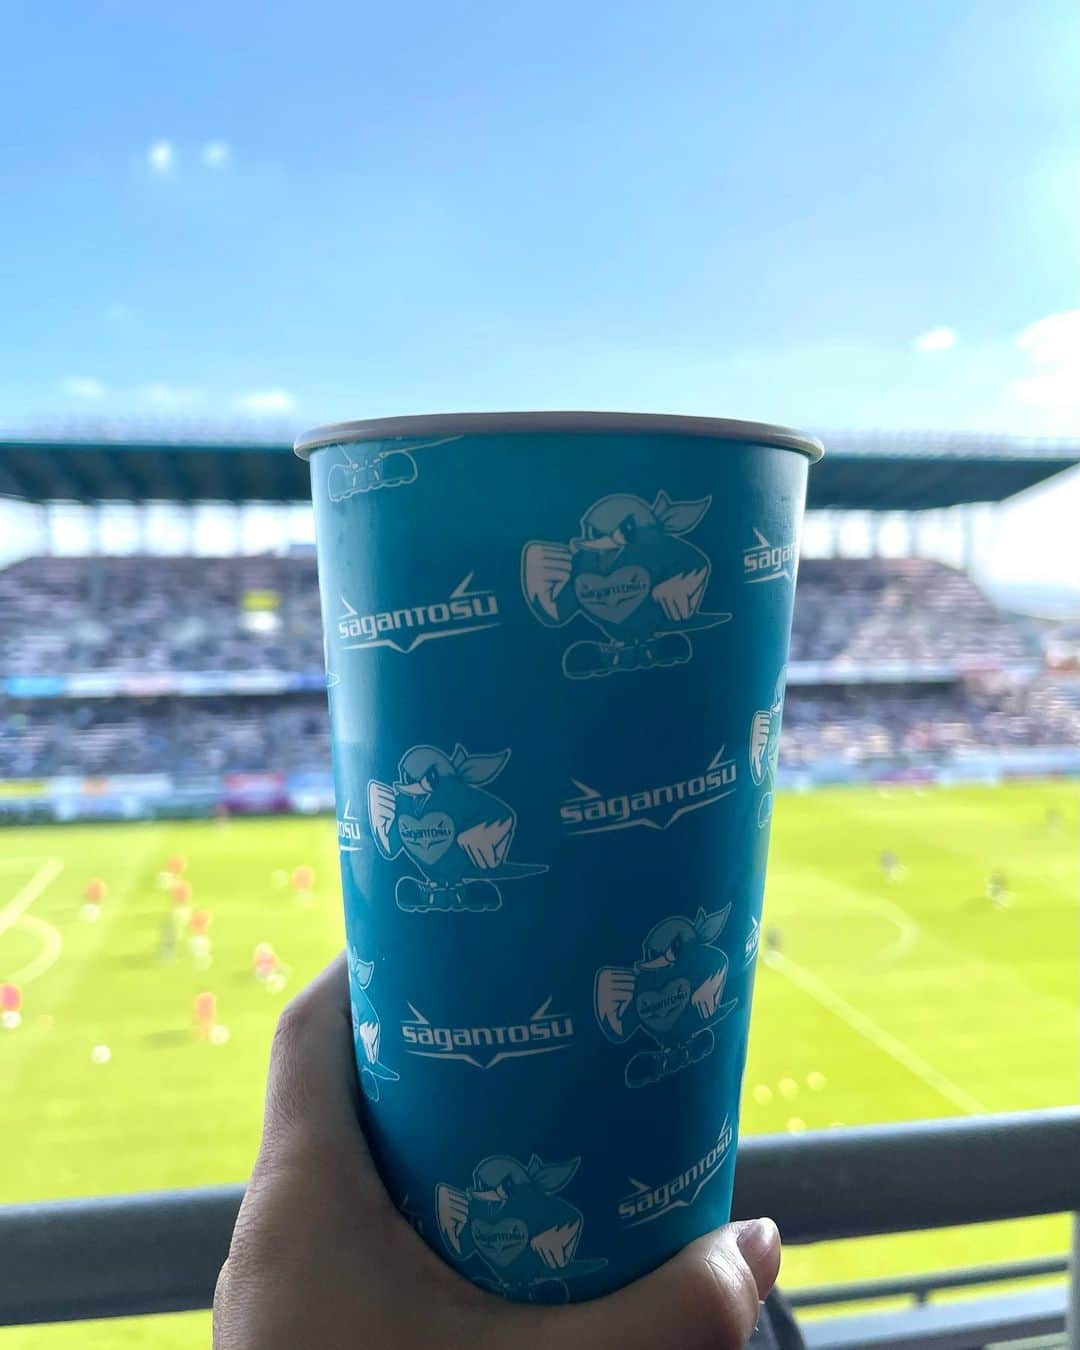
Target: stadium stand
{"points": [[898, 609], [182, 735], [860, 722], [147, 616], [153, 614], [214, 665], [289, 733]]}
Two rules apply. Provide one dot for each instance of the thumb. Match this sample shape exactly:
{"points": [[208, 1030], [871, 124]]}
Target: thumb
{"points": [[705, 1298], [312, 1116]]}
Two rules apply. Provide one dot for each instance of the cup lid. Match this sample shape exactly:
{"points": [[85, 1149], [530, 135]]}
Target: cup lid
{"points": [[506, 423]]}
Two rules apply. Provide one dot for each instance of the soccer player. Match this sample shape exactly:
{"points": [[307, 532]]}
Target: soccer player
{"points": [[167, 939], [10, 1006], [199, 939], [181, 893], [93, 895], [264, 961], [997, 888], [269, 969], [892, 869], [204, 1010]]}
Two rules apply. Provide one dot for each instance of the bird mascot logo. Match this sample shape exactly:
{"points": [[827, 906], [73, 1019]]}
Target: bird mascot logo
{"points": [[365, 467], [672, 996], [633, 576], [513, 1219], [366, 1030], [765, 748], [454, 833]]}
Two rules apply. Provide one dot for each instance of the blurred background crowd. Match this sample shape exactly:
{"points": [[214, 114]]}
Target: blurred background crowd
{"points": [[890, 657]]}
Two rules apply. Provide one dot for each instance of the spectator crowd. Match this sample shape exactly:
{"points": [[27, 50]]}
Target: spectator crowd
{"points": [[932, 721], [148, 615], [156, 615]]}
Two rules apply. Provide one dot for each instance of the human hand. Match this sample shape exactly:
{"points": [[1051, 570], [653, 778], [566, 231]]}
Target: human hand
{"points": [[321, 1259]]}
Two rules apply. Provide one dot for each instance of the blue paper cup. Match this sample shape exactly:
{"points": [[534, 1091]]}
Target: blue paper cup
{"points": [[555, 652]]}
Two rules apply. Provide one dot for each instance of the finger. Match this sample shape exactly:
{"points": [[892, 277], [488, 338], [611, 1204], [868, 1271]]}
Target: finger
{"points": [[312, 1101], [705, 1298]]}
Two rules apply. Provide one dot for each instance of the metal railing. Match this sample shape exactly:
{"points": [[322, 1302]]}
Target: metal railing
{"points": [[919, 1288], [161, 1252]]}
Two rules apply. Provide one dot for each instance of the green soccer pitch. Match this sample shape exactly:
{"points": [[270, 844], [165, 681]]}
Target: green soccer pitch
{"points": [[877, 999]]}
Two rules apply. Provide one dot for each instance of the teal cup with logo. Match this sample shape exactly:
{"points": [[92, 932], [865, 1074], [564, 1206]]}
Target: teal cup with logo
{"points": [[555, 655]]}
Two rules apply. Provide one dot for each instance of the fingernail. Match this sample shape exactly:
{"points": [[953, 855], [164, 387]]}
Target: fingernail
{"points": [[759, 1242]]}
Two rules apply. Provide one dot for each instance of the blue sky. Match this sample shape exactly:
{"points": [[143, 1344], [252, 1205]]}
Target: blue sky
{"points": [[306, 212]]}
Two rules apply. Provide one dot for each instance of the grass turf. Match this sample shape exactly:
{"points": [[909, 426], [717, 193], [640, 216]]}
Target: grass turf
{"points": [[886, 1000]]}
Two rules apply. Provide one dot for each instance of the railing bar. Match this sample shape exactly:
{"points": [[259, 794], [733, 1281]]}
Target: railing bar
{"points": [[926, 1174], [128, 1255], [1072, 1311], [914, 1285]]}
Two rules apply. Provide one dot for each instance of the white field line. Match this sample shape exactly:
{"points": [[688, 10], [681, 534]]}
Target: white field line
{"points": [[858, 1021], [52, 944], [908, 930], [21, 901]]}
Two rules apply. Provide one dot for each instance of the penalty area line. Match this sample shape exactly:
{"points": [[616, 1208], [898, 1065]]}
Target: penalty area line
{"points": [[866, 1027], [21, 901], [52, 944]]}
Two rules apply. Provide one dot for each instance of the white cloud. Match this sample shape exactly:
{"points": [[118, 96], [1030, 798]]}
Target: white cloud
{"points": [[935, 340], [83, 386], [1052, 345], [216, 154], [1053, 340], [170, 398], [265, 402], [161, 156]]}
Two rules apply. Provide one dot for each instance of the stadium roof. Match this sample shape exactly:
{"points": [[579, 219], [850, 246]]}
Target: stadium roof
{"points": [[873, 471]]}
